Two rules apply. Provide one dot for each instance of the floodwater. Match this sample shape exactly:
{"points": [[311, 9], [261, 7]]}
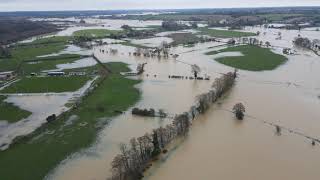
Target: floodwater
{"points": [[227, 54], [152, 42], [157, 92], [218, 146], [70, 49]]}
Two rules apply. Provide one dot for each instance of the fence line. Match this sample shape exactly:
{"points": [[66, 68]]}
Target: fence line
{"points": [[273, 124]]}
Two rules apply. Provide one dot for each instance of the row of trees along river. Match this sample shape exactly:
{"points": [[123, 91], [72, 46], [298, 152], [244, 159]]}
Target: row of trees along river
{"points": [[137, 156]]}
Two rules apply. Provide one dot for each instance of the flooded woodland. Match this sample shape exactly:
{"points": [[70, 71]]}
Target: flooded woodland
{"points": [[217, 146]]}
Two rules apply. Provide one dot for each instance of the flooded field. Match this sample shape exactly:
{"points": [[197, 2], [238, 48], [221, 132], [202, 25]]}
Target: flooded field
{"points": [[218, 146], [41, 105], [157, 91], [152, 42]]}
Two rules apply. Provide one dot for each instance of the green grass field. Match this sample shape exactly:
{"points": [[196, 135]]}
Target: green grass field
{"points": [[255, 58], [224, 33], [10, 112], [95, 33], [34, 156], [47, 84], [31, 50], [50, 40]]}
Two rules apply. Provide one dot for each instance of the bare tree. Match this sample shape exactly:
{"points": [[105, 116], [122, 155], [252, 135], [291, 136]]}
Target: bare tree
{"points": [[267, 43], [302, 42], [195, 69], [239, 110]]}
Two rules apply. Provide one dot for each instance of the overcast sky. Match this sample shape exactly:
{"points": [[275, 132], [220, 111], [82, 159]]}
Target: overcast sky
{"points": [[30, 5]]}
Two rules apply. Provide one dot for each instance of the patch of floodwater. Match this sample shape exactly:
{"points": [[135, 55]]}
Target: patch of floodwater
{"points": [[110, 41], [116, 24], [85, 62], [70, 30], [107, 24], [143, 28], [287, 36], [146, 13], [312, 29], [41, 105], [69, 19], [70, 49], [167, 33], [71, 120], [3, 123], [227, 54], [152, 42]]}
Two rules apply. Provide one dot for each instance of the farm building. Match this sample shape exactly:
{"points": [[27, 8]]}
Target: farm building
{"points": [[56, 73], [77, 73]]}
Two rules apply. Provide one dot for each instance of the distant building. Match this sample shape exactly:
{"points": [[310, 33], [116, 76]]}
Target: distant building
{"points": [[77, 73], [287, 51], [316, 45], [56, 73], [232, 42], [223, 21], [6, 76]]}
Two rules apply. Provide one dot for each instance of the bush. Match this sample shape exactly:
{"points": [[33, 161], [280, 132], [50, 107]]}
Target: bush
{"points": [[143, 112]]}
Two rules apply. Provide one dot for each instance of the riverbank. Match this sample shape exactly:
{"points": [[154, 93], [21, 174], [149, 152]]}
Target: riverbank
{"points": [[72, 131]]}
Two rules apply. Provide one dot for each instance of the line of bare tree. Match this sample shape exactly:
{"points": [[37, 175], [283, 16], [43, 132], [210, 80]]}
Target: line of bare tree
{"points": [[136, 157], [161, 51], [307, 43]]}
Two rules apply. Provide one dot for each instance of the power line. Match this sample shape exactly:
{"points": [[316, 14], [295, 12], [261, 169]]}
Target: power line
{"points": [[281, 83], [289, 130]]}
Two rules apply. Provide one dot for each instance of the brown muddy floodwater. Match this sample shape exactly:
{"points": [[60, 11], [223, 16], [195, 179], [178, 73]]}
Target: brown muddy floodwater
{"points": [[158, 92], [218, 146]]}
